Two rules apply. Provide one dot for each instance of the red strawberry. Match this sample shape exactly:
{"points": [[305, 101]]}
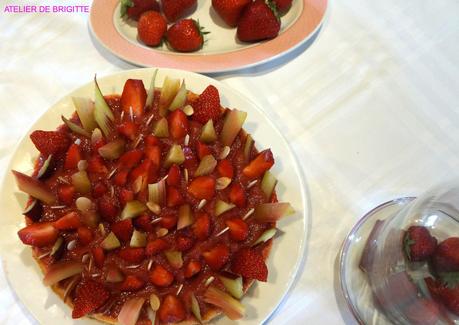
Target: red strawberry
{"points": [[257, 167], [99, 189], [168, 221], [448, 296], [191, 269], [185, 35], [202, 187], [73, 157], [141, 170], [173, 176], [153, 153], [282, 6], [174, 9], [171, 310], [65, 193], [123, 230], [50, 142], [96, 165], [143, 222], [201, 226], [132, 283], [38, 234], [225, 168], [108, 208], [132, 255], [156, 246], [90, 295], [419, 245], [446, 256], [128, 129], [135, 8], [250, 264], [151, 28], [120, 178], [178, 124], [217, 256], [99, 256], [134, 96], [230, 10], [174, 198], [125, 196], [161, 277], [130, 159], [238, 229], [202, 150], [184, 243], [207, 105], [237, 195], [69, 221], [84, 235], [151, 140], [259, 21]]}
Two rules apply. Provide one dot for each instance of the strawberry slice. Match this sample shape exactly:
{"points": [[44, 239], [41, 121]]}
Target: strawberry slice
{"points": [[132, 255], [217, 256], [134, 96], [173, 176], [225, 168], [174, 198], [202, 150], [99, 189], [171, 310], [202, 187], [192, 268], [73, 157], [161, 277], [99, 256], [128, 129], [96, 165], [69, 221], [90, 295], [237, 195], [130, 159], [207, 105], [250, 264], [156, 246], [143, 171], [108, 208], [132, 283], [120, 178], [125, 196], [123, 230], [85, 235], [65, 194], [39, 234], [143, 222], [238, 229], [201, 226], [153, 153], [178, 124], [184, 243], [169, 221], [50, 142], [151, 140], [257, 167]]}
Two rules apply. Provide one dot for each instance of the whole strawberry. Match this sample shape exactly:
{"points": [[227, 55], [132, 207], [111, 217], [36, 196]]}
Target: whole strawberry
{"points": [[175, 9], [230, 10], [282, 6], [419, 245], [50, 142], [448, 295], [446, 256], [151, 28], [185, 36], [135, 8], [258, 22], [207, 105]]}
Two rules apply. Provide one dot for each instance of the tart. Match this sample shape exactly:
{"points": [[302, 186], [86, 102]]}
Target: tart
{"points": [[152, 206]]}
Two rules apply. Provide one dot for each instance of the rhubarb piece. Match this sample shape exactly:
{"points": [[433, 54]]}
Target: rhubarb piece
{"points": [[222, 206], [168, 92], [195, 309], [61, 271], [112, 150], [154, 302], [34, 188], [58, 248], [202, 187], [75, 128], [157, 192], [208, 133], [185, 218], [206, 166], [102, 112], [161, 128], [97, 138], [267, 235], [231, 126], [178, 124], [222, 183], [174, 258], [249, 263], [263, 162], [34, 210], [69, 221], [134, 97], [45, 169], [174, 156], [268, 183], [192, 268], [272, 212], [233, 286], [151, 90], [138, 239], [248, 145], [50, 142], [230, 306], [114, 275], [239, 230], [180, 98], [171, 310], [39, 234], [110, 242], [133, 209], [217, 256], [90, 295], [419, 245], [85, 110], [161, 277], [81, 182]]}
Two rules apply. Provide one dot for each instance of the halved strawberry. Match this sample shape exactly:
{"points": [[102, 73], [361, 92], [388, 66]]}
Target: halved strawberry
{"points": [[73, 157], [143, 222], [39, 234], [217, 256], [108, 208], [143, 171], [123, 230], [130, 159], [85, 235], [132, 255], [90, 295], [173, 197], [184, 243], [128, 129], [172, 309], [192, 268], [202, 150], [50, 142], [173, 176], [121, 176], [257, 167], [134, 96], [207, 105], [69, 221], [65, 194], [132, 283], [169, 221], [151, 140], [153, 153], [202, 187], [238, 229], [178, 124], [99, 189], [96, 165], [156, 246], [250, 264], [225, 168], [99, 256], [161, 277], [201, 226], [237, 195], [125, 196]]}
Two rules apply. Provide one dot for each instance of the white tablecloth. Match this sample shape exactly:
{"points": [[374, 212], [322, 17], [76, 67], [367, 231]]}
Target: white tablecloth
{"points": [[371, 108]]}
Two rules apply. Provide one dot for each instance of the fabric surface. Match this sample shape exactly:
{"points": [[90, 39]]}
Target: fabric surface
{"points": [[370, 107]]}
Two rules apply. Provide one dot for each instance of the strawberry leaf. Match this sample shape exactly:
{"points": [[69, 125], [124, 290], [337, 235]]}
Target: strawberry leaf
{"points": [[450, 279]]}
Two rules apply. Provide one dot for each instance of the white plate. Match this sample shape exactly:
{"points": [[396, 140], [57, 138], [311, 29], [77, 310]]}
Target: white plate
{"points": [[288, 250]]}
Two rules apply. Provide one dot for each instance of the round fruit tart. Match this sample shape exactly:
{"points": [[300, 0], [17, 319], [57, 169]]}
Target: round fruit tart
{"points": [[152, 206]]}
